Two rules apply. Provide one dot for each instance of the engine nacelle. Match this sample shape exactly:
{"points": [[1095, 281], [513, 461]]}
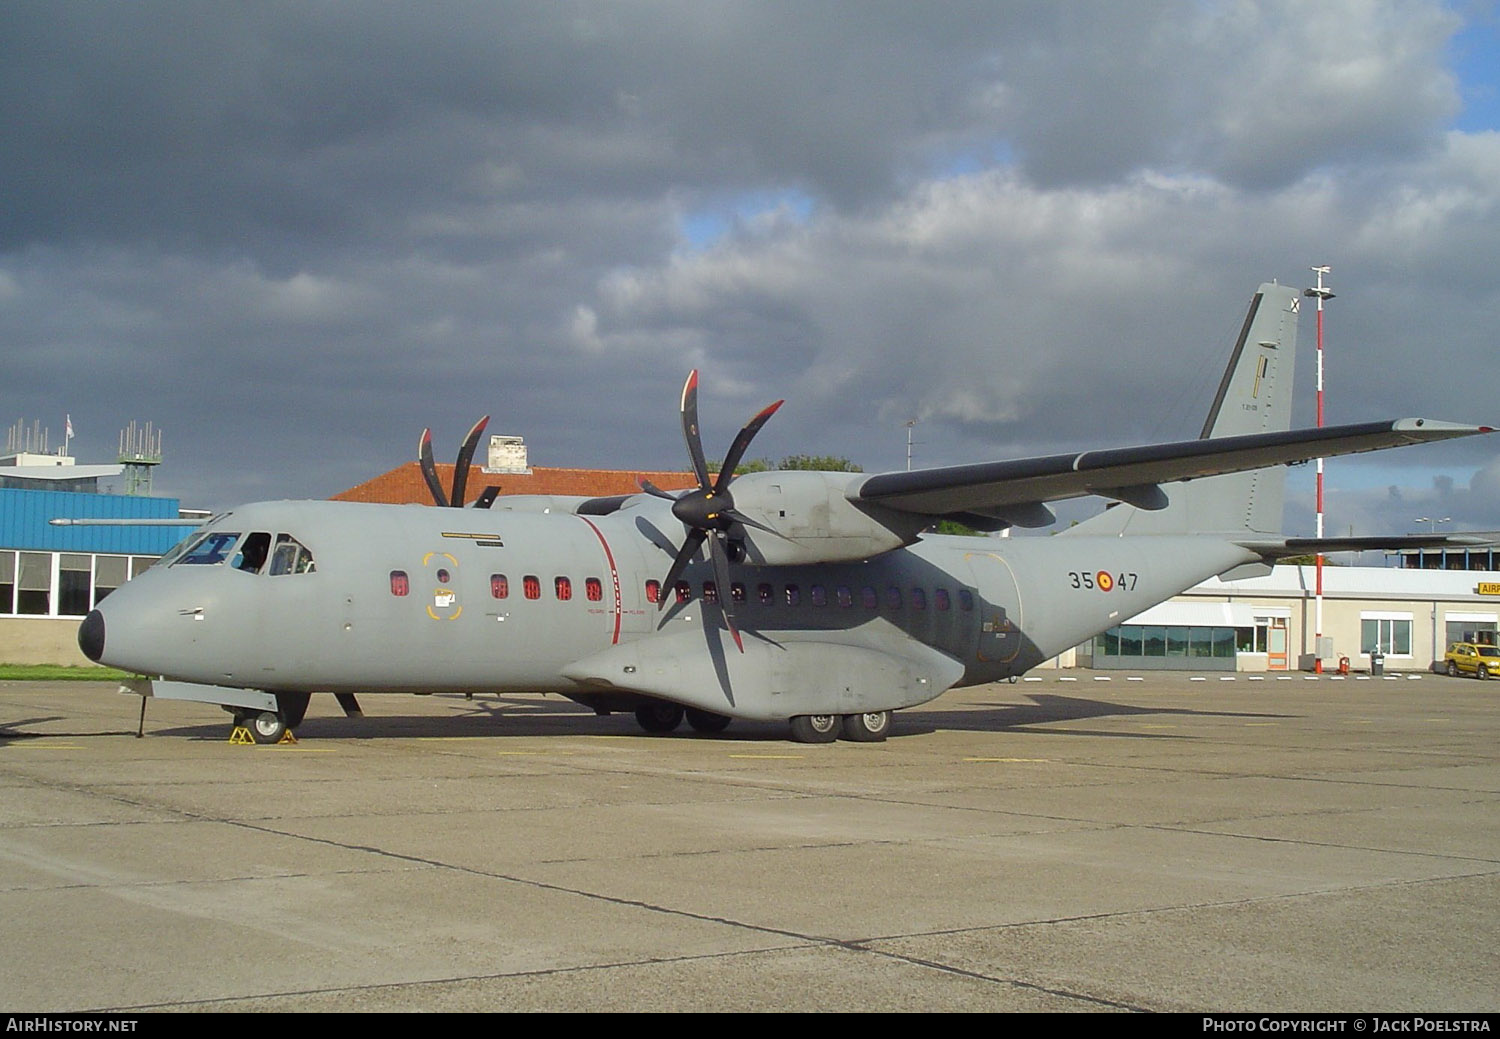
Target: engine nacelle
{"points": [[817, 521]]}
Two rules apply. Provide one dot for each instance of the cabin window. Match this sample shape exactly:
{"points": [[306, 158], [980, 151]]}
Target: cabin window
{"points": [[918, 599], [868, 599], [843, 596], [793, 595], [499, 586], [400, 585], [212, 550], [819, 595], [653, 591], [710, 592], [564, 588], [893, 597], [593, 589], [290, 557], [684, 591], [443, 576], [736, 591], [965, 600], [531, 586], [764, 593], [940, 599]]}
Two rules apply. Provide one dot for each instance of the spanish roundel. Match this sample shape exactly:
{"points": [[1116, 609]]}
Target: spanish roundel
{"points": [[1104, 580]]}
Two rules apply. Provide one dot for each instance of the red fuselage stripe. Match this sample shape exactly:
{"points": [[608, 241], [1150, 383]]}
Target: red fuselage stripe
{"points": [[614, 577]]}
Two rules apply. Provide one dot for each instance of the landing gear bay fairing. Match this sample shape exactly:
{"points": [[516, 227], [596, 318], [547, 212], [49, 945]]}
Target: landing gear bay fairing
{"points": [[819, 600]]}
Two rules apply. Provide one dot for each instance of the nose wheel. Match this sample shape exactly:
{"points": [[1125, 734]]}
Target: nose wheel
{"points": [[263, 726]]}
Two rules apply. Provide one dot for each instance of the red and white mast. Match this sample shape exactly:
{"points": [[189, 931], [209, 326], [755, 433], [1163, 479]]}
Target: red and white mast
{"points": [[1320, 293]]}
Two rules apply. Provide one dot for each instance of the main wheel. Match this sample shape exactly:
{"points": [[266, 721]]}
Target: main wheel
{"points": [[267, 727], [1452, 669], [815, 728], [706, 721], [659, 716], [870, 727]]}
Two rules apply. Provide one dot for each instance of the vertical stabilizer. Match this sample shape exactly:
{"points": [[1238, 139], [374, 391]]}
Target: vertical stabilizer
{"points": [[1255, 396]]}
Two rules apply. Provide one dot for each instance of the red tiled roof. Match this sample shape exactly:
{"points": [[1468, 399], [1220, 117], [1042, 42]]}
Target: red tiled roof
{"points": [[404, 484]]}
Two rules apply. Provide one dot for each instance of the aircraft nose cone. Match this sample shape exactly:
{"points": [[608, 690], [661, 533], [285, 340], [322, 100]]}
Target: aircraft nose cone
{"points": [[91, 636]]}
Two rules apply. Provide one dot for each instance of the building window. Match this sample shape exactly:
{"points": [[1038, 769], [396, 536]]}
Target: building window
{"points": [[593, 589], [7, 582], [1391, 634], [34, 589], [73, 579], [499, 586]]}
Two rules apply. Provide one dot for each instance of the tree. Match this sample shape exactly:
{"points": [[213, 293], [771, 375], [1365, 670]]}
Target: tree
{"points": [[817, 463]]}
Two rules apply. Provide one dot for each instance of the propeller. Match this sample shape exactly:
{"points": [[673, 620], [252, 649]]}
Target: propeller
{"points": [[455, 499], [708, 511]]}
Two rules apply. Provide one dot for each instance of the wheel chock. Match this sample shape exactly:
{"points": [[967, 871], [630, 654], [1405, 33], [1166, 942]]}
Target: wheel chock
{"points": [[240, 737], [286, 737]]}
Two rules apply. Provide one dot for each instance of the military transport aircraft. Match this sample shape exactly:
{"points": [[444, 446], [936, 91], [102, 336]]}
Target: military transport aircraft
{"points": [[817, 599]]}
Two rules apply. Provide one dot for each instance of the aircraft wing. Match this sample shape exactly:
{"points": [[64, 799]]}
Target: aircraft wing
{"points": [[1279, 548], [1014, 491]]}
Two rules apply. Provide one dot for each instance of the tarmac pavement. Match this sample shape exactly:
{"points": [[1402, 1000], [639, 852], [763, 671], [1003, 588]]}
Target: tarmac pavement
{"points": [[1162, 844]]}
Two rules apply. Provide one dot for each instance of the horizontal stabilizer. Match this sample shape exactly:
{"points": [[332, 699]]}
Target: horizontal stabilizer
{"points": [[1132, 474], [1280, 548]]}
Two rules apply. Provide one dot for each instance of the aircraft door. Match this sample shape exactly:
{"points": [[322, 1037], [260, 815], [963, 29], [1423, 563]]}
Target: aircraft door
{"points": [[998, 605]]}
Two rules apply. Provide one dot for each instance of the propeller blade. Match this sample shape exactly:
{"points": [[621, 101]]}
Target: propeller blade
{"points": [[429, 468], [725, 589], [742, 443], [741, 518], [486, 499], [685, 556], [465, 457], [690, 428], [651, 488]]}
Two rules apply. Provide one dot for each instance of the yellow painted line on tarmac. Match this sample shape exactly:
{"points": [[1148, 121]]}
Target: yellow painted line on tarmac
{"points": [[771, 757], [522, 753], [452, 739], [49, 746], [1012, 761]]}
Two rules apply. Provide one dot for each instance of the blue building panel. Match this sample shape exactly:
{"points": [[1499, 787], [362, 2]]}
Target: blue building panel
{"points": [[25, 522]]}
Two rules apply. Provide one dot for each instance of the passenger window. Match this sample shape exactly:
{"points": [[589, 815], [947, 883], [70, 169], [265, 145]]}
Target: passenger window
{"points": [[868, 599], [684, 592], [531, 586], [399, 583], [564, 589], [940, 599], [710, 592], [844, 596], [764, 593], [252, 554], [212, 550], [653, 591], [291, 557], [918, 599], [965, 600], [499, 586], [793, 595], [893, 597], [819, 595], [736, 591], [593, 589]]}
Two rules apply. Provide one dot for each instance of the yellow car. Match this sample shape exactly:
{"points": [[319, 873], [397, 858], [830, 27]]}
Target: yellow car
{"points": [[1465, 658]]}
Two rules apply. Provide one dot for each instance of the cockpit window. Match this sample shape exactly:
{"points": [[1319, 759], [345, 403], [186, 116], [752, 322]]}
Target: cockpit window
{"points": [[209, 550], [253, 551], [290, 557]]}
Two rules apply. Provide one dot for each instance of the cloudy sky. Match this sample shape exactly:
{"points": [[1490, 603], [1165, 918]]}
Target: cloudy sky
{"points": [[293, 234]]}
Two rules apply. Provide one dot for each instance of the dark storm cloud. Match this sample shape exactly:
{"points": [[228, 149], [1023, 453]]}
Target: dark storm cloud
{"points": [[293, 234]]}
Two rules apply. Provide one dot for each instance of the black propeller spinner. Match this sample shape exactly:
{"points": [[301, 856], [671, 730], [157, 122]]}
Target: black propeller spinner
{"points": [[708, 512], [460, 470]]}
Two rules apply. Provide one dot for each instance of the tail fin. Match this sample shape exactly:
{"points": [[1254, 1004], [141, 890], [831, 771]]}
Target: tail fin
{"points": [[1255, 396]]}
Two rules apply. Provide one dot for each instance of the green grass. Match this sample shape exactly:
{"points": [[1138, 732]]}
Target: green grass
{"points": [[60, 673]]}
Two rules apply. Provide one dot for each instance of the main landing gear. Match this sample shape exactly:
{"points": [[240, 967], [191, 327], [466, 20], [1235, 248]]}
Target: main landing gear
{"points": [[869, 727], [664, 717]]}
